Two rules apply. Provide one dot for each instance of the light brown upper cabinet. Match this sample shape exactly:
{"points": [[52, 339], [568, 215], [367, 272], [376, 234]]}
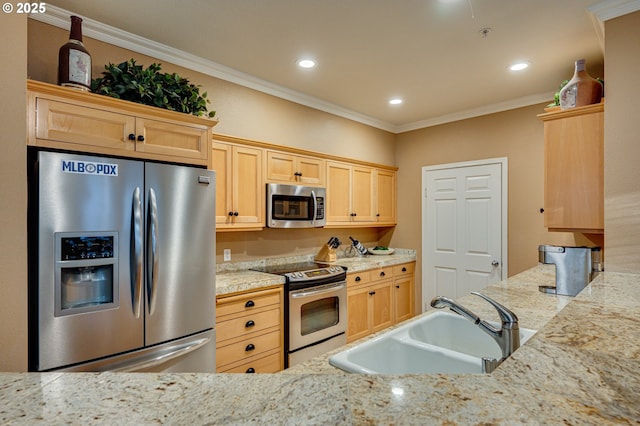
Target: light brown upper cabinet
{"points": [[240, 189], [283, 167], [385, 194], [574, 169], [359, 195], [69, 119], [350, 197]]}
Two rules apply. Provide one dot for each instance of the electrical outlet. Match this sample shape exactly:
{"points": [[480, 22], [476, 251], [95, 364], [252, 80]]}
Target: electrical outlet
{"points": [[226, 255]]}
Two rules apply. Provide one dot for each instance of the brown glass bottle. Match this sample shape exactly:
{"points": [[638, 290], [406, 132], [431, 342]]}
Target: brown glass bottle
{"points": [[74, 61]]}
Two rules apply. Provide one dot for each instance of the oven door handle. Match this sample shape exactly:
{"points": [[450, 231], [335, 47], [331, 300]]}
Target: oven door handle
{"points": [[306, 293]]}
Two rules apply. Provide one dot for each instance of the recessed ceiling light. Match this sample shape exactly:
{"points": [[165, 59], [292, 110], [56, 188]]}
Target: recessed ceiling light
{"points": [[519, 66], [306, 63], [395, 101]]}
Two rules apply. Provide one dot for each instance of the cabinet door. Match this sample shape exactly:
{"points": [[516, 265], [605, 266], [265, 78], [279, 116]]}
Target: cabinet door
{"points": [[574, 170], [248, 186], [362, 194], [380, 308], [84, 127], [338, 193], [181, 141], [281, 167], [221, 163], [357, 313], [385, 196], [402, 299], [311, 171]]}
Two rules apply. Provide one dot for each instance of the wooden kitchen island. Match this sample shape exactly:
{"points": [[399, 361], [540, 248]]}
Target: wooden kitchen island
{"points": [[582, 367]]}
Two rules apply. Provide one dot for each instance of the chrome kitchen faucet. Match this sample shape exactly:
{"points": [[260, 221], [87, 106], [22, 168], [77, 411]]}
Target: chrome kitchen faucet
{"points": [[507, 337]]}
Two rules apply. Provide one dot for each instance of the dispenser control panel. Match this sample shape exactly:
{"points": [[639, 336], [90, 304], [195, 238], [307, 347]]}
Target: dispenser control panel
{"points": [[86, 247]]}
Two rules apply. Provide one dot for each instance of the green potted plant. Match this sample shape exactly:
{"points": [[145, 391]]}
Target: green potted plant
{"points": [[132, 82]]}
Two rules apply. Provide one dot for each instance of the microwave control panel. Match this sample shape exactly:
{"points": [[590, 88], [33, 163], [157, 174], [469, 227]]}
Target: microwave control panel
{"points": [[320, 208]]}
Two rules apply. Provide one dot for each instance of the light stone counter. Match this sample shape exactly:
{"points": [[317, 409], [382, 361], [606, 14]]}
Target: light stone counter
{"points": [[237, 277], [582, 367]]}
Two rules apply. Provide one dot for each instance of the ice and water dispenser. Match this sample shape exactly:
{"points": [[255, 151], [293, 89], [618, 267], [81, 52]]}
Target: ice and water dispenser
{"points": [[86, 268]]}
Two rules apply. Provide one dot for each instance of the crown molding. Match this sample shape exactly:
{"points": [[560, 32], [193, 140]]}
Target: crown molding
{"points": [[610, 9], [477, 112]]}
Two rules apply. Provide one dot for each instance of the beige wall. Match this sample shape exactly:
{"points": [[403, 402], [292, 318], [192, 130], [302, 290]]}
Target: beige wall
{"points": [[622, 144], [515, 134], [13, 193]]}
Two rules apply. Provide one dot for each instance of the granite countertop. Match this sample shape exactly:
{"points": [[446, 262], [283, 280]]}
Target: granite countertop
{"points": [[580, 368], [235, 278]]}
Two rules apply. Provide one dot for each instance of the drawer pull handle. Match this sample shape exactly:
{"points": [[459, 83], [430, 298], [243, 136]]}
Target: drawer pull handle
{"points": [[358, 278], [251, 370], [249, 304], [249, 347], [382, 274], [404, 269], [249, 323]]}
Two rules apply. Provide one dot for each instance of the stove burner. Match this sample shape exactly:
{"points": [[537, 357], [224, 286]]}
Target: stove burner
{"points": [[306, 274]]}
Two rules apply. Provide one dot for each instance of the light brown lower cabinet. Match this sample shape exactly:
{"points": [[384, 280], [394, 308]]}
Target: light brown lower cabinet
{"points": [[249, 332], [378, 298]]}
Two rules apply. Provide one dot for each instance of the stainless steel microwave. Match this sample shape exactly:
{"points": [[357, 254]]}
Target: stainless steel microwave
{"points": [[295, 206]]}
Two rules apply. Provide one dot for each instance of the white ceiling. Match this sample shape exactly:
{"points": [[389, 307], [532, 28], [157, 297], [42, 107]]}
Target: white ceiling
{"points": [[431, 53]]}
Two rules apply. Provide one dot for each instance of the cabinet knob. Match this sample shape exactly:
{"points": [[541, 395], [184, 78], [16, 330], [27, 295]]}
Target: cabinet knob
{"points": [[382, 274], [397, 286], [236, 213], [371, 293], [230, 213], [377, 214], [353, 215], [249, 304], [140, 138], [249, 324], [132, 137], [297, 174], [358, 279], [249, 347], [404, 269], [251, 370]]}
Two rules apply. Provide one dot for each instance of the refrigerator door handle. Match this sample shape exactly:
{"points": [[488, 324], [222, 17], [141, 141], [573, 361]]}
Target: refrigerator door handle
{"points": [[152, 251], [161, 357], [135, 257]]}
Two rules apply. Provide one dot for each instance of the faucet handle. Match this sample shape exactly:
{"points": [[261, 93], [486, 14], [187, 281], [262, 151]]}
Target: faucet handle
{"points": [[507, 317]]}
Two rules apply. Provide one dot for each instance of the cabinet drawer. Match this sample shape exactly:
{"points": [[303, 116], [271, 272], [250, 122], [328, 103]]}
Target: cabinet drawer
{"points": [[404, 270], [246, 324], [246, 302], [266, 364], [382, 273], [358, 278], [247, 348]]}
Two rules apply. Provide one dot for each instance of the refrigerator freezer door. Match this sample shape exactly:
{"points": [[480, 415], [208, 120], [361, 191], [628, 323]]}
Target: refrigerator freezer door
{"points": [[193, 354], [85, 282], [180, 248]]}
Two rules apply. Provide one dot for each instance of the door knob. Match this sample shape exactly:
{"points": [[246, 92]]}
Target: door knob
{"points": [[495, 263]]}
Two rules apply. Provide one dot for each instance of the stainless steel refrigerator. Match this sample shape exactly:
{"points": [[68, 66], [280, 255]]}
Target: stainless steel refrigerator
{"points": [[122, 265]]}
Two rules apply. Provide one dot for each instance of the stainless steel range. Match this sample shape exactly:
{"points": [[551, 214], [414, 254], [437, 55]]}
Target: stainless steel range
{"points": [[315, 309]]}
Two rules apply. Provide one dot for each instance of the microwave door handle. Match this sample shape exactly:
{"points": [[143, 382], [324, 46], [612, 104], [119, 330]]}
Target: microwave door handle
{"points": [[135, 252], [315, 208], [152, 251]]}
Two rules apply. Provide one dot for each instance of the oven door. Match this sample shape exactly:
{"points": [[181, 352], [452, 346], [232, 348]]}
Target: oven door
{"points": [[317, 313]]}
